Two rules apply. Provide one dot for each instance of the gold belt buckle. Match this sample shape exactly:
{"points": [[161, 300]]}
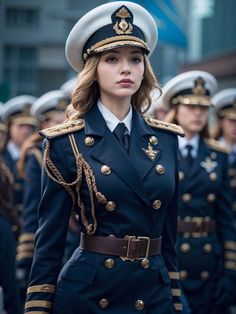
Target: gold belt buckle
{"points": [[130, 238]]}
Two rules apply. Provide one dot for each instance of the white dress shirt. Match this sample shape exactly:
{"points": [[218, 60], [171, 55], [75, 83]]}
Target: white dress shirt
{"points": [[112, 121], [13, 150], [194, 142]]}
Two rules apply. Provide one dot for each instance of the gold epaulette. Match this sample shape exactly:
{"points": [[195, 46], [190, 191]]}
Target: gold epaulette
{"points": [[37, 154], [62, 129], [170, 127], [216, 145]]}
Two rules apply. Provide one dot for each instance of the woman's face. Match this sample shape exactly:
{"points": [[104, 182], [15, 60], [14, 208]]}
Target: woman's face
{"points": [[192, 118], [120, 72], [229, 129]]}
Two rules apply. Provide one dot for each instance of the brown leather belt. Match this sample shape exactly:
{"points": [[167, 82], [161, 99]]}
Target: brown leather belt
{"points": [[128, 248], [196, 226]]}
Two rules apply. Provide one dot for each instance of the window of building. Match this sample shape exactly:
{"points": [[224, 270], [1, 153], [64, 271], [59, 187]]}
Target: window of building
{"points": [[21, 17], [20, 69]]}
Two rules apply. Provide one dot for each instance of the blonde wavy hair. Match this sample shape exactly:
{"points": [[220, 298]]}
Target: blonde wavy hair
{"points": [[87, 91]]}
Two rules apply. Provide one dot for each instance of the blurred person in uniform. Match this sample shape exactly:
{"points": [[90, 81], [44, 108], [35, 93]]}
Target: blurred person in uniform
{"points": [[9, 223], [225, 131], [206, 233], [49, 109], [117, 170], [20, 125]]}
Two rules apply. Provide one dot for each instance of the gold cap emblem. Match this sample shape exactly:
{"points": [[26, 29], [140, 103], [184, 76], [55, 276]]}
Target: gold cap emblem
{"points": [[199, 88], [122, 20]]}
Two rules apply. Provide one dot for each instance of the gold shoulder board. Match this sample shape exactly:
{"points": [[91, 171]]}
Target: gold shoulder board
{"points": [[170, 127], [216, 145], [62, 129]]}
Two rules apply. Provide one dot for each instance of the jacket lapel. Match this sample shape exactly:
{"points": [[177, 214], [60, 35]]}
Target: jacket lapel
{"points": [[109, 152], [139, 141], [203, 151]]}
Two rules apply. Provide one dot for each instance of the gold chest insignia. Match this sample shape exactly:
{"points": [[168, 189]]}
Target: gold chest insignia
{"points": [[209, 165], [150, 152]]}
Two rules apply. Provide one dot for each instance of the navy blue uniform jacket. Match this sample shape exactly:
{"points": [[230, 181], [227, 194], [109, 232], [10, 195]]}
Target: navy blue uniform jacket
{"points": [[145, 205]]}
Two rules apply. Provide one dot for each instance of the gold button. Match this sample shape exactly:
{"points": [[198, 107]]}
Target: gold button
{"points": [[160, 169], [231, 172], [105, 170], [14, 228], [89, 141], [153, 140], [103, 303], [110, 206], [186, 197], [145, 263], [211, 197], [156, 204], [213, 176], [109, 263], [204, 275], [207, 248], [185, 247], [213, 155], [181, 175], [139, 305], [183, 274]]}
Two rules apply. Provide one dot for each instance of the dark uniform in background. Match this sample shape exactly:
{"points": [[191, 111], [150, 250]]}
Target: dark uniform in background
{"points": [[207, 237]]}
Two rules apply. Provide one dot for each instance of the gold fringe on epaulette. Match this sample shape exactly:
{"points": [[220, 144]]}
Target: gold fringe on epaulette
{"points": [[82, 167]]}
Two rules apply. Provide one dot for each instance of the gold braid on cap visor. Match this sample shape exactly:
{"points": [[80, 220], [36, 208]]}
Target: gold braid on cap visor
{"points": [[192, 100], [113, 42]]}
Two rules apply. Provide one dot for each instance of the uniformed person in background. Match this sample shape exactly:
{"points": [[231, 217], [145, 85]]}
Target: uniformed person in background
{"points": [[49, 109], [8, 222], [118, 171], [225, 132], [21, 125], [68, 88], [206, 241]]}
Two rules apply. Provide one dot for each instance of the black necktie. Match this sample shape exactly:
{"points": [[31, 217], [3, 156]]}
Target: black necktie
{"points": [[189, 157], [121, 135]]}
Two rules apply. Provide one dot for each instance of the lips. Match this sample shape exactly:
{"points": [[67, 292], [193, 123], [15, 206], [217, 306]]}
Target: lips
{"points": [[126, 81]]}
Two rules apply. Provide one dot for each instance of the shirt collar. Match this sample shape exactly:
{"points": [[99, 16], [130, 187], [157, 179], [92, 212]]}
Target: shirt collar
{"points": [[111, 120], [13, 150], [194, 142]]}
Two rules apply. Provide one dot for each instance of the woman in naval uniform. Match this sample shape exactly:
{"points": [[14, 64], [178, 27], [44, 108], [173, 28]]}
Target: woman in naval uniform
{"points": [[225, 131], [117, 171], [206, 241]]}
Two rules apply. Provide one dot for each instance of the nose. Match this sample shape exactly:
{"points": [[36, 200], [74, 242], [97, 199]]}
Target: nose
{"points": [[125, 67]]}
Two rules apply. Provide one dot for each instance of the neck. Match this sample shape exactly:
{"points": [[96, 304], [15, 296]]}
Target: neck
{"points": [[118, 106], [189, 135]]}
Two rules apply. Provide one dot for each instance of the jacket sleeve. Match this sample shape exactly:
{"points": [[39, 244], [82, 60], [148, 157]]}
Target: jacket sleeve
{"points": [[225, 222], [31, 199], [53, 212], [169, 237]]}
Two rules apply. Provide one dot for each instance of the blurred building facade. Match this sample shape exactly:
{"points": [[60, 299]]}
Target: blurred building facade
{"points": [[192, 34]]}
